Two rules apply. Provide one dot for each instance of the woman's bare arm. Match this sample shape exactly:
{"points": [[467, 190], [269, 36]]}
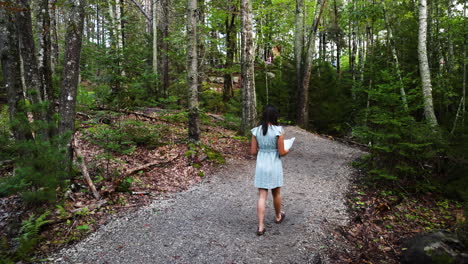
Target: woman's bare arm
{"points": [[254, 146]]}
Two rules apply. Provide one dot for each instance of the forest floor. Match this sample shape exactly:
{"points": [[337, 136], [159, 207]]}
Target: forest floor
{"points": [[197, 203]]}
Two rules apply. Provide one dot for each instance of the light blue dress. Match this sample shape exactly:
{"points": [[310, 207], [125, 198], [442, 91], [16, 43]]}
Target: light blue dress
{"points": [[269, 169]]}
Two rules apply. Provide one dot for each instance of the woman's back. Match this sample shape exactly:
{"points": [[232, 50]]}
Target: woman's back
{"points": [[270, 140]]}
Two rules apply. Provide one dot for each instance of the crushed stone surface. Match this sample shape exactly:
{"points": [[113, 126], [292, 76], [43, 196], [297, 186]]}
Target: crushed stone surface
{"points": [[216, 221]]}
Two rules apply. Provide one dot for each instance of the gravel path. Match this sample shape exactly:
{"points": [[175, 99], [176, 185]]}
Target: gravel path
{"points": [[215, 221]]}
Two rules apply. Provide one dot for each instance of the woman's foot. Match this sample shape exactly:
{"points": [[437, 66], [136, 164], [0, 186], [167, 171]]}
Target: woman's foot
{"points": [[259, 233], [281, 218]]}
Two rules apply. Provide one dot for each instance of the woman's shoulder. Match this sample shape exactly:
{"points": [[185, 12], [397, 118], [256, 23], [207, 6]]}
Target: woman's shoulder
{"points": [[255, 129], [277, 129]]}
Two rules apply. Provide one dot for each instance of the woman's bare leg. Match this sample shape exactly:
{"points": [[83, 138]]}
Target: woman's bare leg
{"points": [[277, 202], [261, 204]]}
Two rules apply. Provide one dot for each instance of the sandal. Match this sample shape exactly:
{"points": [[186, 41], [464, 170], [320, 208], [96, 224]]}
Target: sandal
{"points": [[283, 215], [260, 233]]}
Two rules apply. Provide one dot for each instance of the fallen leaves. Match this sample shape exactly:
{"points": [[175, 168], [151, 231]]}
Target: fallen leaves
{"points": [[382, 218]]}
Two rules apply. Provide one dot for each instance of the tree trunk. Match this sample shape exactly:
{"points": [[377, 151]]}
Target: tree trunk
{"points": [[28, 58], [230, 23], [11, 69], [45, 62], [424, 66], [249, 103], [461, 105], [165, 46], [120, 39], [192, 72], [201, 44], [395, 58], [299, 42], [155, 37], [303, 100], [54, 36], [71, 65]]}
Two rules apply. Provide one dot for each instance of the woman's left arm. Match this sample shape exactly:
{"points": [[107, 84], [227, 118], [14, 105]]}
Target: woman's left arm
{"points": [[254, 146]]}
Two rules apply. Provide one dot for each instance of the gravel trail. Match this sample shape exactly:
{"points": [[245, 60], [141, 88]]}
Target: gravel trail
{"points": [[215, 221]]}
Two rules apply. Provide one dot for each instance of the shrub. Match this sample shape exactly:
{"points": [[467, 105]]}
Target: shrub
{"points": [[41, 171]]}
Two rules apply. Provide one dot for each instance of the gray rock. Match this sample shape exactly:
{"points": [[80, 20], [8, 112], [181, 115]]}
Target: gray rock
{"points": [[434, 248]]}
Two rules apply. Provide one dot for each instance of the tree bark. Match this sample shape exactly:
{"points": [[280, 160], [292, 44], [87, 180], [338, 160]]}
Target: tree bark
{"points": [[11, 69], [230, 24], [249, 104], [192, 72], [165, 47], [303, 100], [299, 42], [395, 57], [424, 66], [54, 36], [29, 61], [201, 44], [155, 36], [71, 65], [45, 62]]}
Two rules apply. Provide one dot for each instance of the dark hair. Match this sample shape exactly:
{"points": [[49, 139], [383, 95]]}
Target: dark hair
{"points": [[270, 115]]}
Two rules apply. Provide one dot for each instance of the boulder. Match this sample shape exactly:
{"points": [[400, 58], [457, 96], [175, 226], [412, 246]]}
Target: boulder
{"points": [[433, 248]]}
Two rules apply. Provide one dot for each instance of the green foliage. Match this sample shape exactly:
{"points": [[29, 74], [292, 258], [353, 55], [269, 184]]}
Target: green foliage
{"points": [[124, 136], [26, 241], [6, 142], [40, 171], [125, 185], [400, 146]]}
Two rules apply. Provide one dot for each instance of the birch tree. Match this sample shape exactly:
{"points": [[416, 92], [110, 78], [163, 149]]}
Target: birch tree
{"points": [[192, 72], [249, 104], [424, 66]]}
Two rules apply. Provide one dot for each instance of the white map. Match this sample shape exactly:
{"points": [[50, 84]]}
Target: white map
{"points": [[288, 143]]}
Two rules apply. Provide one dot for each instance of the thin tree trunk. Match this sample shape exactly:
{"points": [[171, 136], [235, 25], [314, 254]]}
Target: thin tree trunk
{"points": [[192, 72], [424, 66], [11, 69], [201, 44], [230, 24], [249, 104], [299, 42], [71, 65], [155, 37], [28, 58], [165, 46], [303, 100], [54, 36], [120, 39], [461, 105], [395, 58]]}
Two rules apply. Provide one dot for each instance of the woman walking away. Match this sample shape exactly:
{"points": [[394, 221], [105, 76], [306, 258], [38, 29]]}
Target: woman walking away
{"points": [[268, 144]]}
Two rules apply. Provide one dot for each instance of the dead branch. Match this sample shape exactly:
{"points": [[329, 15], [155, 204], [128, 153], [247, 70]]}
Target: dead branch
{"points": [[84, 170], [148, 165], [5, 162], [153, 118], [91, 207]]}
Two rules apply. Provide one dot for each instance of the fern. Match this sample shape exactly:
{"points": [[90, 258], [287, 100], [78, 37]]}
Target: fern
{"points": [[29, 235]]}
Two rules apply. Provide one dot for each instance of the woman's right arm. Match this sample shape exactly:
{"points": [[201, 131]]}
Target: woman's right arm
{"points": [[281, 150], [254, 146]]}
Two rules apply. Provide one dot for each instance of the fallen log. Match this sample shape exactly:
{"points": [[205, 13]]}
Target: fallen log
{"points": [[84, 170]]}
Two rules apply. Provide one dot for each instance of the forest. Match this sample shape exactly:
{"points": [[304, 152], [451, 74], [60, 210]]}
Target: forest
{"points": [[95, 94]]}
